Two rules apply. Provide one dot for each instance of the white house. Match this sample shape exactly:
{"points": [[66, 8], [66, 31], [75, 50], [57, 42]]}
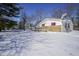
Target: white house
{"points": [[55, 25]]}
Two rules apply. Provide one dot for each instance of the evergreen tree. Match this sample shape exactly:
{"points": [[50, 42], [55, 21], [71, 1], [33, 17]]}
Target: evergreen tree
{"points": [[9, 10]]}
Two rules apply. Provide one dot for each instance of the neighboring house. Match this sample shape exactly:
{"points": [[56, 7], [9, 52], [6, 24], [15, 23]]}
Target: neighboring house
{"points": [[55, 25]]}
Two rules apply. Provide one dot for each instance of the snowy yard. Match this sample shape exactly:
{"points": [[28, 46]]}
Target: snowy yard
{"points": [[28, 43]]}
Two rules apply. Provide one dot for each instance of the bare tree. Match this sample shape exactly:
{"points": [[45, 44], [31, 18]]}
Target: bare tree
{"points": [[77, 18], [39, 15], [23, 21], [70, 8], [57, 13]]}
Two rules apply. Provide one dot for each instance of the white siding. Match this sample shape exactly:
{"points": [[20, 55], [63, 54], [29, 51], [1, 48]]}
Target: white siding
{"points": [[48, 23]]}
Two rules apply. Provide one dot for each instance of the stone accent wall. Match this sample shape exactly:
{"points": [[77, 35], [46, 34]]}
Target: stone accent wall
{"points": [[50, 28]]}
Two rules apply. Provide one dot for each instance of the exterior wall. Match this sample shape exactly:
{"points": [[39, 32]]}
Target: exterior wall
{"points": [[50, 28], [63, 26], [64, 23], [54, 28], [48, 23]]}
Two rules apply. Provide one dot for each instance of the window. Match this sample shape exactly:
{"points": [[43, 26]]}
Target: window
{"points": [[53, 24], [43, 24]]}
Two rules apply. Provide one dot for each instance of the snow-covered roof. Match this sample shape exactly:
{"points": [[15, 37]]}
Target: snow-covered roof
{"points": [[52, 19], [49, 19]]}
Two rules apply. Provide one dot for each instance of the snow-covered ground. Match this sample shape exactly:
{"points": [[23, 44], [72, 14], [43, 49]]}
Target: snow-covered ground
{"points": [[29, 43]]}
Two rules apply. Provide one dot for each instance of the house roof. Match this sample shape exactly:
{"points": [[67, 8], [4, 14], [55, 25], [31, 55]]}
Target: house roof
{"points": [[47, 19], [52, 19]]}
